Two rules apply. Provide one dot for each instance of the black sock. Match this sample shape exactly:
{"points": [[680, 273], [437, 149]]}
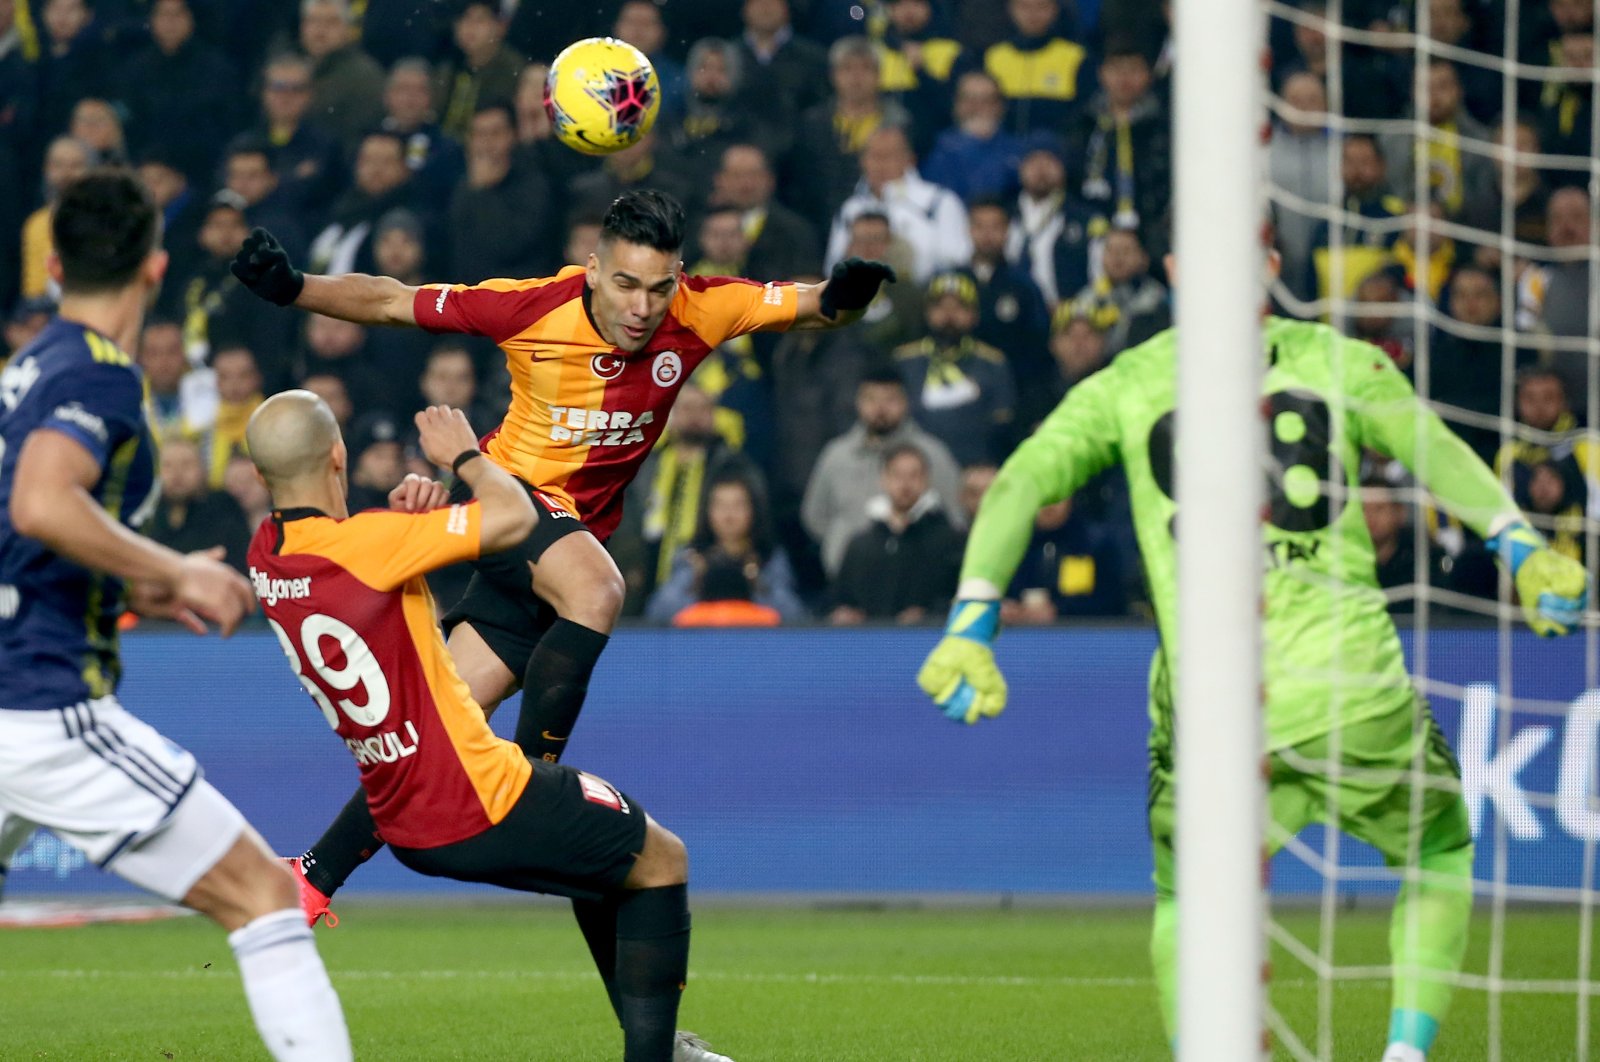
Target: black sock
{"points": [[350, 840], [598, 921], [652, 966], [554, 686]]}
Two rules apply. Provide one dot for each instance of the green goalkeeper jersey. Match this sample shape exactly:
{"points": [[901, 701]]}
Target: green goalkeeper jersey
{"points": [[1332, 656]]}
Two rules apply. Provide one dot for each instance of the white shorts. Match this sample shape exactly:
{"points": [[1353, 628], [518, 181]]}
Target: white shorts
{"points": [[111, 786]]}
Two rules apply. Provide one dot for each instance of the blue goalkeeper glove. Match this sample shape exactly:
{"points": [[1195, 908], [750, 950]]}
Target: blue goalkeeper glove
{"points": [[1554, 589], [960, 674]]}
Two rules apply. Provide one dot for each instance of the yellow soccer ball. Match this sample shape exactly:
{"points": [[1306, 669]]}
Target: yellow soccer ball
{"points": [[602, 95]]}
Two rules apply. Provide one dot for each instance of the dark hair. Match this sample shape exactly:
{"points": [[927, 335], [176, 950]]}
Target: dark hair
{"points": [[390, 135], [1542, 372], [463, 6], [992, 202], [881, 373], [500, 106], [872, 215], [1367, 139], [248, 145], [104, 227], [760, 511], [725, 580], [236, 348], [648, 218]]}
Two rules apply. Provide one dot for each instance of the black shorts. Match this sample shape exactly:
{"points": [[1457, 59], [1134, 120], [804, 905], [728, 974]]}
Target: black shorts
{"points": [[499, 600], [569, 834]]}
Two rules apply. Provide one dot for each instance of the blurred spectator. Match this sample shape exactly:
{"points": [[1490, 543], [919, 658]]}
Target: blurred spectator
{"points": [[1454, 174], [183, 402], [961, 390], [337, 347], [1298, 160], [639, 23], [537, 145], [1077, 347], [74, 61], [976, 158], [382, 183], [718, 113], [929, 218], [1375, 82], [245, 487], [640, 166], [1052, 234], [1044, 75], [1394, 548], [1553, 473], [181, 93], [397, 246], [393, 31], [1071, 568], [215, 309], [583, 237], [190, 516], [19, 100], [895, 314], [1528, 194], [65, 160], [247, 172], [903, 564], [1012, 316], [498, 221], [692, 451], [400, 353], [435, 160], [724, 593], [1364, 175], [1393, 333], [309, 162], [917, 58], [823, 165], [782, 244], [735, 530], [848, 472], [975, 483], [1451, 22], [1566, 110], [97, 123], [1425, 278], [346, 82], [331, 389], [1465, 369], [27, 320], [1554, 297], [1143, 308], [238, 385], [181, 211], [813, 376], [451, 379], [483, 70], [787, 73], [377, 461], [721, 243], [1119, 148]]}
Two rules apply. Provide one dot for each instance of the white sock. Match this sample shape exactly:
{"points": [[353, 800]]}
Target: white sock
{"points": [[1399, 1052], [296, 1009]]}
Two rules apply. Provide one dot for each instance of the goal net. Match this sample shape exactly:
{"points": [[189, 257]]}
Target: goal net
{"points": [[1431, 182]]}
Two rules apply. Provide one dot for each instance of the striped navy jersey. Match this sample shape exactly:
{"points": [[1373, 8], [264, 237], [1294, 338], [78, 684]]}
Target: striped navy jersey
{"points": [[58, 620]]}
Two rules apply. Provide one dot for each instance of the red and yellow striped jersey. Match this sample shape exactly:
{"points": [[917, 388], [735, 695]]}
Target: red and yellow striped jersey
{"points": [[584, 414], [348, 603]]}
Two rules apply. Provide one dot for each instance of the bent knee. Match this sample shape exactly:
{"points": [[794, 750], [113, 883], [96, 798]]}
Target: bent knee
{"points": [[663, 861]]}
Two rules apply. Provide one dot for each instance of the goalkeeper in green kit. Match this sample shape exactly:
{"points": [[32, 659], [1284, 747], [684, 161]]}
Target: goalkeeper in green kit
{"points": [[1335, 676]]}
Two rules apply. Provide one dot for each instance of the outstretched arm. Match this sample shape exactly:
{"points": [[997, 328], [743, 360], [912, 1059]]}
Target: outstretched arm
{"points": [[263, 266], [843, 297]]}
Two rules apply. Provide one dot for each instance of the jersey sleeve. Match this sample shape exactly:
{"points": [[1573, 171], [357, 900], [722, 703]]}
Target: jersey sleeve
{"points": [[1386, 415], [1076, 441], [497, 309], [385, 549], [101, 406], [719, 308]]}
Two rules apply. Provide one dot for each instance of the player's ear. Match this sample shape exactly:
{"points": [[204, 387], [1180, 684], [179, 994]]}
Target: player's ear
{"points": [[52, 266], [155, 266], [340, 456], [1274, 263]]}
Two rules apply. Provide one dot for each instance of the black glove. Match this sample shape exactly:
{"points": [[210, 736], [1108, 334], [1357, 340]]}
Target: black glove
{"points": [[262, 265], [853, 284]]}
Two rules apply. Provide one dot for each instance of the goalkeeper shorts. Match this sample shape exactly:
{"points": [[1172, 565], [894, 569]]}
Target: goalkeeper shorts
{"points": [[1367, 792]]}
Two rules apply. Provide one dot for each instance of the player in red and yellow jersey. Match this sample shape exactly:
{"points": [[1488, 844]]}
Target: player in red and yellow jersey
{"points": [[596, 356], [346, 597]]}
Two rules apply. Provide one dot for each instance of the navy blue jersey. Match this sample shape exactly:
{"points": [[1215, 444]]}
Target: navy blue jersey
{"points": [[58, 620]]}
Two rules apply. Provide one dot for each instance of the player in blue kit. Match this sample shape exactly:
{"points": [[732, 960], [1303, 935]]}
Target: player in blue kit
{"points": [[77, 477]]}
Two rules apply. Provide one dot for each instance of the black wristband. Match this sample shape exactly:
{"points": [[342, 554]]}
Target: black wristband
{"points": [[462, 458]]}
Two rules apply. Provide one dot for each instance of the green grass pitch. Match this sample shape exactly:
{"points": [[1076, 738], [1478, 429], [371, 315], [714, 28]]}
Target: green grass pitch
{"points": [[513, 981]]}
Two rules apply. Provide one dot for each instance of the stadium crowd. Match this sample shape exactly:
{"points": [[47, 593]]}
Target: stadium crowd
{"points": [[1012, 160]]}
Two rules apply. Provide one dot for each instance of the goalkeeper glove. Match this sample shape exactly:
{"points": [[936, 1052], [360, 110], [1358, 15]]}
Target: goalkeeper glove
{"points": [[853, 284], [1554, 589], [262, 265], [960, 674]]}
